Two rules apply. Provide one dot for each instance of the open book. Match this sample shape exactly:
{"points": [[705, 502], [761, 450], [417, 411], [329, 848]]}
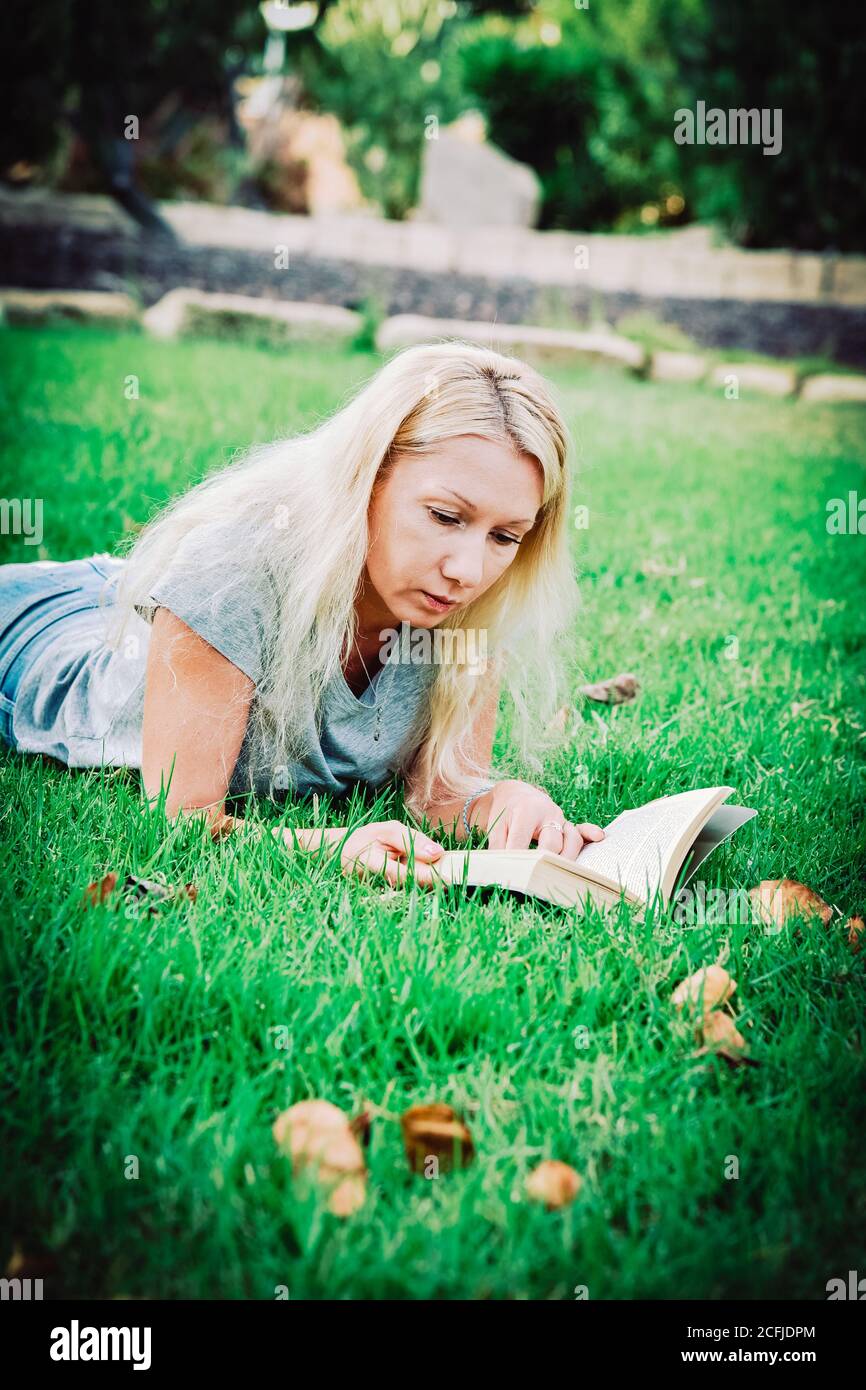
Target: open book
{"points": [[643, 851]]}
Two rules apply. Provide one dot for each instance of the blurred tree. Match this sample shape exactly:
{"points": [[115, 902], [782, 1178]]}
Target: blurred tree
{"points": [[90, 65], [588, 97], [96, 63], [807, 61], [585, 96]]}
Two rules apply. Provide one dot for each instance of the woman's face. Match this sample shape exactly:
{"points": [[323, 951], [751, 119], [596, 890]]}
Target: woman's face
{"points": [[445, 527]]}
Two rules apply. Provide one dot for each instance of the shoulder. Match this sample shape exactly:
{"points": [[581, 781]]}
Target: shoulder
{"points": [[228, 604]]}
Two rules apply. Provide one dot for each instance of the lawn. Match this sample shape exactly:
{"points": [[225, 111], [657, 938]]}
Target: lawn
{"points": [[175, 1036]]}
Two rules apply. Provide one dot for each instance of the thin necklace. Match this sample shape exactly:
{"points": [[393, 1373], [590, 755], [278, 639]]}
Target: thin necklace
{"points": [[378, 695], [364, 664]]}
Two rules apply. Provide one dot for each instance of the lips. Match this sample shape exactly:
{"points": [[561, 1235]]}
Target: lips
{"points": [[438, 601]]}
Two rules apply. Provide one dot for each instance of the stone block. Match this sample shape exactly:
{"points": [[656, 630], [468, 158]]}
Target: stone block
{"points": [[764, 380], [834, 389], [189, 312], [678, 366], [550, 345], [79, 306]]}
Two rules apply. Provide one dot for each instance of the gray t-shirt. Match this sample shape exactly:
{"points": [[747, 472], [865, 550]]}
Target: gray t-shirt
{"points": [[82, 701]]}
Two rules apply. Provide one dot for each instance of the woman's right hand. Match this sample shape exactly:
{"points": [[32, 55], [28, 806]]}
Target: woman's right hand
{"points": [[385, 845]]}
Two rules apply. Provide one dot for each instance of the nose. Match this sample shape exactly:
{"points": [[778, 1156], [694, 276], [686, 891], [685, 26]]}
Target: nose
{"points": [[464, 563]]}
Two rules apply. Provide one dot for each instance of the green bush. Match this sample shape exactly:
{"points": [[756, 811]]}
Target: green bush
{"points": [[594, 115], [590, 113], [807, 61]]}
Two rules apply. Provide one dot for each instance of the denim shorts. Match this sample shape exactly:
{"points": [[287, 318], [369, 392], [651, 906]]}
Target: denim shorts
{"points": [[34, 600]]}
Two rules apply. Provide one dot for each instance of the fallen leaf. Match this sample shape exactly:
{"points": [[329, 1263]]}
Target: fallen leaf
{"points": [[777, 899], [615, 691], [97, 892], [716, 984], [554, 1183], [719, 1032], [142, 889], [318, 1138], [146, 888], [433, 1131], [855, 927], [348, 1196]]}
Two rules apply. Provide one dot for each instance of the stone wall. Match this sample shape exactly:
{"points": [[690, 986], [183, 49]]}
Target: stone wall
{"points": [[779, 303]]}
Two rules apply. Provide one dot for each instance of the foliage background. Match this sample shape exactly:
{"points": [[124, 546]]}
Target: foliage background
{"points": [[585, 96]]}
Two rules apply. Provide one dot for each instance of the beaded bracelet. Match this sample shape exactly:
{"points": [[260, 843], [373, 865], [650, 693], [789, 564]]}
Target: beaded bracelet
{"points": [[468, 802]]}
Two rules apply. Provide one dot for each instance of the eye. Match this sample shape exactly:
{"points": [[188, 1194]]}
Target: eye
{"points": [[502, 538]]}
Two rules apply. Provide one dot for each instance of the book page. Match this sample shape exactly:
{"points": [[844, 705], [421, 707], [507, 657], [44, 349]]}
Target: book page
{"points": [[637, 844], [720, 826], [508, 868]]}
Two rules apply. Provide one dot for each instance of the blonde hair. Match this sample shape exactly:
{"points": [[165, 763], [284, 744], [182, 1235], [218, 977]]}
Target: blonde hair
{"points": [[295, 513]]}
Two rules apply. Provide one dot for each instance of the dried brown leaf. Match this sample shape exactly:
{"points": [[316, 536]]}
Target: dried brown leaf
{"points": [[348, 1196], [146, 888], [554, 1183], [712, 984], [777, 899], [435, 1131], [318, 1138], [614, 691], [719, 1032], [855, 927], [139, 889], [99, 890]]}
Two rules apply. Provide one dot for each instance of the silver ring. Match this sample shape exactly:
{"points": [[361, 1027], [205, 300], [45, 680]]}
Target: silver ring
{"points": [[556, 825]]}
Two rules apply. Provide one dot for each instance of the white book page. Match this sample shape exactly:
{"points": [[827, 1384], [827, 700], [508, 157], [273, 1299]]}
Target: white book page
{"points": [[637, 843]]}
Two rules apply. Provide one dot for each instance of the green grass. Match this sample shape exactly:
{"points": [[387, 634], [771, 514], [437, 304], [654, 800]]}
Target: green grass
{"points": [[154, 1035]]}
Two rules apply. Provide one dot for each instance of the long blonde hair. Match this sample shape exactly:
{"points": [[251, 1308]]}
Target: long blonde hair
{"points": [[295, 513]]}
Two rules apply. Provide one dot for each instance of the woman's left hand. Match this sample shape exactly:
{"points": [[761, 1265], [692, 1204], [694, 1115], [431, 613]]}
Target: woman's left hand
{"points": [[520, 813]]}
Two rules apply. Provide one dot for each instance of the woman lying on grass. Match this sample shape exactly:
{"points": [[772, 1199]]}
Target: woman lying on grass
{"points": [[265, 629]]}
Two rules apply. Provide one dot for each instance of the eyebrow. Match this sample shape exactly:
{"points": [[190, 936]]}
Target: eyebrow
{"points": [[518, 521]]}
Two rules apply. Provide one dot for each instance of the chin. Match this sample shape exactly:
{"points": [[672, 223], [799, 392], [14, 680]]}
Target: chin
{"points": [[418, 615]]}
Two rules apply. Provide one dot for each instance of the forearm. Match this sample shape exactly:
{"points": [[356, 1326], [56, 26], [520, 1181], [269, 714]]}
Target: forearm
{"points": [[449, 815]]}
